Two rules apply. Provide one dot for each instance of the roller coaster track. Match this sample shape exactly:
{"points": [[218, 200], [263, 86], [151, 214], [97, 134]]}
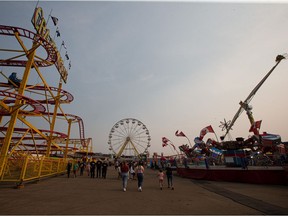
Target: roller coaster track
{"points": [[38, 107], [68, 96], [58, 134], [17, 31]]}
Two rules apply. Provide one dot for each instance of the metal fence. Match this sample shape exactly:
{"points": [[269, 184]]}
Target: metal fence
{"points": [[28, 168]]}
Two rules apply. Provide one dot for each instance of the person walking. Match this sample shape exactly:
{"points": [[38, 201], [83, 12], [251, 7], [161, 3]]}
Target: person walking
{"points": [[75, 169], [161, 178], [169, 175], [82, 167], [98, 168], [124, 174], [132, 171], [116, 164], [92, 168], [140, 175], [69, 166], [88, 166], [104, 169]]}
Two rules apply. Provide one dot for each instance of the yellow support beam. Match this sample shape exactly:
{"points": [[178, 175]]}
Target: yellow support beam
{"points": [[123, 147], [52, 125], [14, 116]]}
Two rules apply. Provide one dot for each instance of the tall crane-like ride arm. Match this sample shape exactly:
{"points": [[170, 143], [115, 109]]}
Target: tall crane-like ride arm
{"points": [[245, 105]]}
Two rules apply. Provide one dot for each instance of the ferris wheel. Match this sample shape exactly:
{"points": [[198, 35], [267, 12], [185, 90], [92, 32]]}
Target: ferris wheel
{"points": [[129, 138]]}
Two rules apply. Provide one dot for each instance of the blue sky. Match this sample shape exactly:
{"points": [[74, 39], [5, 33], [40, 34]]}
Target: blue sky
{"points": [[172, 65]]}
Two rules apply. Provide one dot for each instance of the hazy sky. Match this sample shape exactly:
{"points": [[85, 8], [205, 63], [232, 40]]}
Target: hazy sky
{"points": [[172, 65]]}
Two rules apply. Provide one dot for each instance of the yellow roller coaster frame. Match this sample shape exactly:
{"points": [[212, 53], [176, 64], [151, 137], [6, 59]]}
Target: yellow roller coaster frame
{"points": [[22, 157]]}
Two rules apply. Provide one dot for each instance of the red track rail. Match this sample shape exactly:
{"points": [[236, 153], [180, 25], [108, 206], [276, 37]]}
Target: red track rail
{"points": [[59, 135], [38, 106], [50, 48]]}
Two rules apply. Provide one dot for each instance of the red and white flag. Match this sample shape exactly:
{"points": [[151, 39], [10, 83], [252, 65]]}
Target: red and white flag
{"points": [[164, 144], [179, 133], [206, 130], [165, 141], [255, 127]]}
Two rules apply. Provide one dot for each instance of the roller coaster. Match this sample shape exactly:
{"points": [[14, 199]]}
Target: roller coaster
{"points": [[35, 132]]}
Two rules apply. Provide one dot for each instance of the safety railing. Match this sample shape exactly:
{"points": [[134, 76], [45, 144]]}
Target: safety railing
{"points": [[28, 168]]}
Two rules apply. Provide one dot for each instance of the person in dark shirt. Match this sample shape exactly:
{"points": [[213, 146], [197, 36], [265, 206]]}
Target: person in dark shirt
{"points": [[98, 168], [14, 79], [69, 166], [169, 175], [82, 167], [104, 169], [92, 168]]}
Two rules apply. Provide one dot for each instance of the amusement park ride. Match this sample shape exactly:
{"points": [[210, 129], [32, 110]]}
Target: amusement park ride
{"points": [[258, 142], [265, 153], [245, 105], [34, 126], [130, 138]]}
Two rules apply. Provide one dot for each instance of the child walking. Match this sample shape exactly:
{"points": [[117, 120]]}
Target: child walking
{"points": [[161, 178], [132, 172]]}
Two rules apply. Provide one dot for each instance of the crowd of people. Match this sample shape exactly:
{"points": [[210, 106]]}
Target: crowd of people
{"points": [[133, 170], [130, 170], [94, 168]]}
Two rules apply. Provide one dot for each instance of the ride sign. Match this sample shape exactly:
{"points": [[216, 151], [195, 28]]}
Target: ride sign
{"points": [[40, 26]]}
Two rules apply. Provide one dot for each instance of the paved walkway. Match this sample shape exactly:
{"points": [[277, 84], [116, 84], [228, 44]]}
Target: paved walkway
{"points": [[86, 196]]}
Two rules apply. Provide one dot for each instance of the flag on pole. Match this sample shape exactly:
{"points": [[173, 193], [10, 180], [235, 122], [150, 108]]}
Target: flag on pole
{"points": [[63, 44], [165, 141], [179, 133], [164, 144], [255, 127], [66, 54], [55, 20], [206, 130], [57, 32]]}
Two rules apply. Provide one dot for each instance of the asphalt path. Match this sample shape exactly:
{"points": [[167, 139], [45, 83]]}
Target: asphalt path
{"points": [[86, 196]]}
